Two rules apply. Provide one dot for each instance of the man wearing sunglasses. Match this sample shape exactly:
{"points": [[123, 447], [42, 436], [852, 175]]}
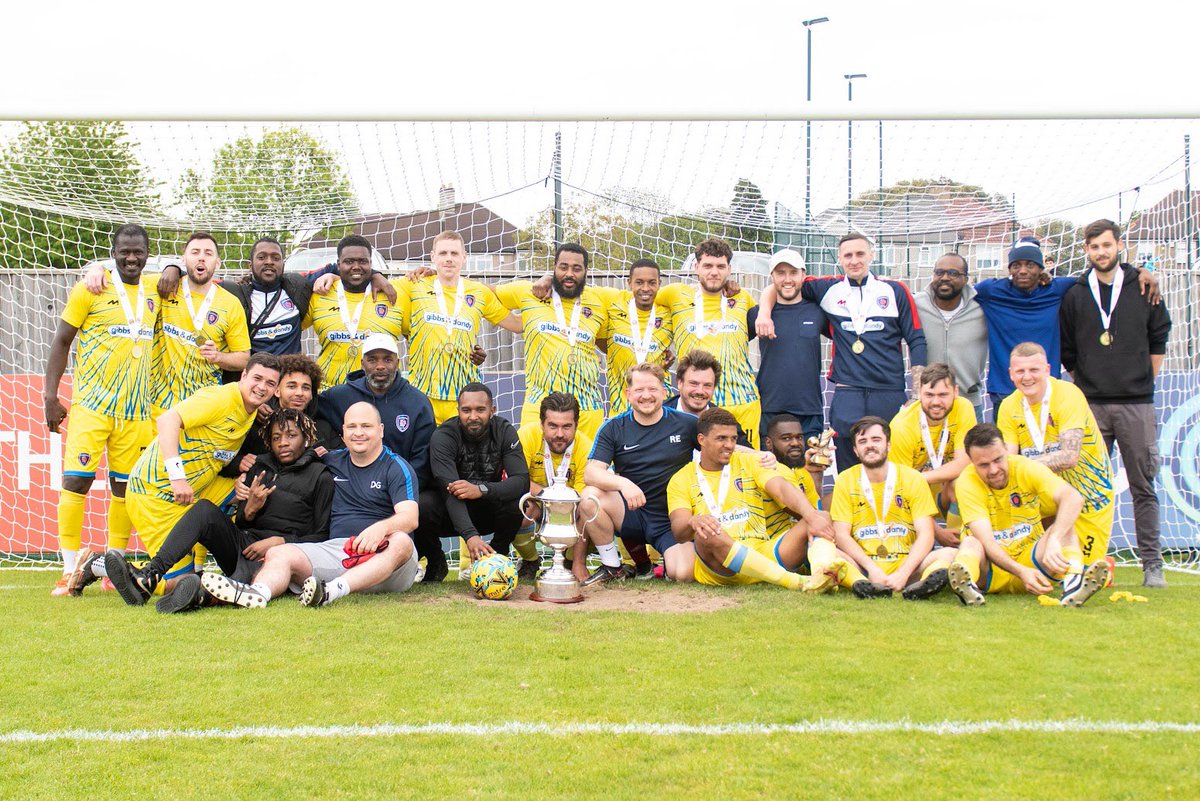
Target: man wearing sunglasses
{"points": [[956, 331]]}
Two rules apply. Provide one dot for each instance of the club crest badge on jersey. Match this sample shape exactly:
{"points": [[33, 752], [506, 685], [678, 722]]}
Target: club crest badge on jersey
{"points": [[731, 302], [1015, 499], [899, 502], [84, 458], [212, 318], [287, 304], [470, 300], [737, 482], [587, 312], [881, 302], [402, 423], [381, 309], [150, 305]]}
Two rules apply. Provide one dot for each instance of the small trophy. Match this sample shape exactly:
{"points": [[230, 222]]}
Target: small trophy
{"points": [[823, 448], [557, 530]]}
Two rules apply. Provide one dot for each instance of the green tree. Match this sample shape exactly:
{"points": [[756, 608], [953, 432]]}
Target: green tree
{"points": [[942, 187], [1063, 240], [286, 184], [64, 186]]}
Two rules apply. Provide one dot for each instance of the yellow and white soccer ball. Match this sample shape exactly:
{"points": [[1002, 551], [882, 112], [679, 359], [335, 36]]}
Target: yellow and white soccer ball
{"points": [[494, 577]]}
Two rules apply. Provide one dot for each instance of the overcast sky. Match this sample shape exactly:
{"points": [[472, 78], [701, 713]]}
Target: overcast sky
{"points": [[533, 57]]}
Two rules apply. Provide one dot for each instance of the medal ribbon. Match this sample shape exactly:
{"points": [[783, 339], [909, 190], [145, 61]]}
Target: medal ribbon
{"points": [[889, 489], [715, 505], [1037, 428], [855, 303], [349, 320], [1094, 285], [198, 316], [134, 323], [557, 475], [935, 459], [576, 314], [703, 327], [460, 294], [641, 343]]}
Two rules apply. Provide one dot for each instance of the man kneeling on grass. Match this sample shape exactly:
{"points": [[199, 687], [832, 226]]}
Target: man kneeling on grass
{"points": [[369, 550], [284, 498], [716, 511]]}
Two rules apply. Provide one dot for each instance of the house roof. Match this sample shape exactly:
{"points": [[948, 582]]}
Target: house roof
{"points": [[1166, 220], [409, 237]]}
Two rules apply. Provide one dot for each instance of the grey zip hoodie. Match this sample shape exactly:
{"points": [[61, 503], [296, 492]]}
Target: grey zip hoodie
{"points": [[961, 343]]}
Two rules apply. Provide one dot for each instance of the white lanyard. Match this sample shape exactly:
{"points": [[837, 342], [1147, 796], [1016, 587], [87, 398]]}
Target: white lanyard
{"points": [[349, 320], [459, 294], [703, 327], [641, 341], [135, 323], [889, 489], [715, 505], [1094, 285], [559, 475], [935, 459], [1037, 428], [198, 316], [855, 305], [573, 332]]}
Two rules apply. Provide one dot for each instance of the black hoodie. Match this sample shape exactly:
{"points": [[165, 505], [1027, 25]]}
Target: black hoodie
{"points": [[298, 510]]}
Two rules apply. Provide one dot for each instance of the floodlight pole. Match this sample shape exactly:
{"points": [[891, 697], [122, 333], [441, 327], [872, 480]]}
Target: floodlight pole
{"points": [[808, 23], [556, 169], [850, 148]]}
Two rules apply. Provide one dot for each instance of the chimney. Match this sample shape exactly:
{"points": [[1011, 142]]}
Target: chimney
{"points": [[446, 196]]}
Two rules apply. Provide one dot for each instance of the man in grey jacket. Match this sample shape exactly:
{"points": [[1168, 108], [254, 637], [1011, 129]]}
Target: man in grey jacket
{"points": [[955, 328]]}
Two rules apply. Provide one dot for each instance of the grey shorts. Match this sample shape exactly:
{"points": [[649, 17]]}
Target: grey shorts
{"points": [[326, 560]]}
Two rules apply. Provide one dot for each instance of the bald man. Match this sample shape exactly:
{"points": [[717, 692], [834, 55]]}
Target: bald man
{"points": [[369, 547]]}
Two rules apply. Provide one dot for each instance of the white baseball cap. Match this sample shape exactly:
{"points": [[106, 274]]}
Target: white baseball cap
{"points": [[788, 256], [379, 341]]}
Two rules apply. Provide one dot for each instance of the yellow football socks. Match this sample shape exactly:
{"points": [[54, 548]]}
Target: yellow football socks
{"points": [[752, 564], [1074, 557], [70, 520], [940, 564], [822, 555], [971, 563], [526, 546], [118, 524]]}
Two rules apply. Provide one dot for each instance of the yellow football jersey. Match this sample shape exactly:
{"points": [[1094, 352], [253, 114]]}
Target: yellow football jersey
{"points": [[907, 446], [621, 337], [533, 444], [552, 364], [439, 359], [725, 336], [1016, 510], [215, 422], [779, 518], [742, 513], [335, 341], [910, 500], [109, 379], [178, 368], [1092, 475]]}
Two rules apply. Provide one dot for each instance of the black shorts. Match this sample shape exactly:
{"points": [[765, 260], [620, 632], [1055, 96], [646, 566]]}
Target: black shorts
{"points": [[647, 526]]}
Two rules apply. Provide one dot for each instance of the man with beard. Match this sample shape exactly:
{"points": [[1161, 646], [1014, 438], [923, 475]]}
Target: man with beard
{"points": [[110, 410], [869, 319], [1113, 343], [639, 329], [342, 319], [705, 318], [928, 436], [789, 371], [479, 474], [287, 499], [785, 438], [696, 379], [1004, 499], [201, 331], [883, 524], [955, 328], [561, 335]]}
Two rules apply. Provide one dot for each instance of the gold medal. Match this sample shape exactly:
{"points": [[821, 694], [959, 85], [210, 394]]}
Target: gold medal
{"points": [[573, 357], [352, 350], [881, 550], [858, 346], [200, 339], [137, 351], [1106, 339], [448, 348]]}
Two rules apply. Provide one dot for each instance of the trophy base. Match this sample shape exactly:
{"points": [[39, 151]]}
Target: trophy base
{"points": [[536, 597], [557, 589]]}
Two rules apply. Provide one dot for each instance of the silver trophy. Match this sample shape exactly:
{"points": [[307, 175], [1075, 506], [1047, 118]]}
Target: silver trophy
{"points": [[558, 530]]}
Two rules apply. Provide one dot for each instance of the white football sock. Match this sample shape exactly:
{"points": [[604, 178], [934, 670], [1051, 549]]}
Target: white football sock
{"points": [[338, 588], [70, 557], [261, 589], [609, 555]]}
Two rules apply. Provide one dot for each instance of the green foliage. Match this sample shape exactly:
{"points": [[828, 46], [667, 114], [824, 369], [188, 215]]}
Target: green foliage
{"points": [[64, 186], [935, 187], [1062, 240], [286, 184]]}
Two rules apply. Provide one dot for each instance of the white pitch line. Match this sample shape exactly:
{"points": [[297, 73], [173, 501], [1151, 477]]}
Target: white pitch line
{"points": [[950, 728]]}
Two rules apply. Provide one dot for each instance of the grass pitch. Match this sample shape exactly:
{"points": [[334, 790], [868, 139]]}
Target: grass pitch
{"points": [[435, 656]]}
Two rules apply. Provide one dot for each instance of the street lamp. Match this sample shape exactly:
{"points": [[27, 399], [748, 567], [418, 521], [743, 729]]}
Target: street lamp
{"points": [[808, 23], [850, 146]]}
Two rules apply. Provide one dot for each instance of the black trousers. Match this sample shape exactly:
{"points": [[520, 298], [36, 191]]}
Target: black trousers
{"points": [[204, 524], [500, 519]]}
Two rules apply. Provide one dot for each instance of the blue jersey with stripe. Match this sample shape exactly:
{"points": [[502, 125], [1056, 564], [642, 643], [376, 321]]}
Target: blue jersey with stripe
{"points": [[363, 496]]}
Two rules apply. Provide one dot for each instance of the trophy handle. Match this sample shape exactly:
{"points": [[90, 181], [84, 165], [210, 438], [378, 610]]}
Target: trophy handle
{"points": [[595, 506], [528, 498]]}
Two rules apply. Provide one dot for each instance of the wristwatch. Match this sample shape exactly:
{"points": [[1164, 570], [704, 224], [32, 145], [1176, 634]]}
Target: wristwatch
{"points": [[483, 489]]}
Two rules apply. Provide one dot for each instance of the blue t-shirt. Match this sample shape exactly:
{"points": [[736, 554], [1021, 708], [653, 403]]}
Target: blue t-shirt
{"points": [[1014, 316], [789, 372], [647, 455], [365, 495]]}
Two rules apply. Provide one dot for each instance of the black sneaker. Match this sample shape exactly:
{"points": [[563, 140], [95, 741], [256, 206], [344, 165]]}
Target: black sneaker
{"points": [[134, 586], [605, 574], [82, 575], [927, 587], [643, 571], [188, 594], [436, 568], [529, 569], [869, 589], [312, 593]]}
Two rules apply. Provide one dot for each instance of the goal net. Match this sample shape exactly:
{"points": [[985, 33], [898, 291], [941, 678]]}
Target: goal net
{"points": [[625, 190]]}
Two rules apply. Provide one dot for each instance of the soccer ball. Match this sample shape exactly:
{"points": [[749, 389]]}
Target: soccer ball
{"points": [[494, 577]]}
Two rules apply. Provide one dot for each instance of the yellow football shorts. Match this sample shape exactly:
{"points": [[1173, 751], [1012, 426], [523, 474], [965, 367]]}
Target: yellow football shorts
{"points": [[90, 434]]}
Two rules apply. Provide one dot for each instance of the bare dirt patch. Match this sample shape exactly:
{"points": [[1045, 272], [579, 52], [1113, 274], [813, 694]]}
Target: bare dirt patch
{"points": [[674, 599]]}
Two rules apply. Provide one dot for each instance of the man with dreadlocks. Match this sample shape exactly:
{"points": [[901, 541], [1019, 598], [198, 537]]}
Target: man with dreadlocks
{"points": [[285, 497]]}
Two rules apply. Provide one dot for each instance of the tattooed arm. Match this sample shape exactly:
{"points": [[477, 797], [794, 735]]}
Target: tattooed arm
{"points": [[1067, 455]]}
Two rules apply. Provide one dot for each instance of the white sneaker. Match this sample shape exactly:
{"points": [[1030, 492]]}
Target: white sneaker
{"points": [[1094, 579]]}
